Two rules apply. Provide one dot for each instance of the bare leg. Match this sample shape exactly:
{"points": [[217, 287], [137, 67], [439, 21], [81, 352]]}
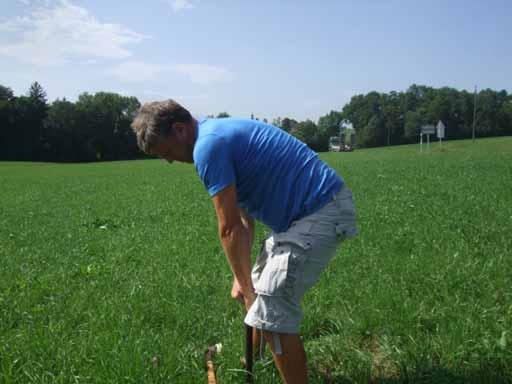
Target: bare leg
{"points": [[291, 363]]}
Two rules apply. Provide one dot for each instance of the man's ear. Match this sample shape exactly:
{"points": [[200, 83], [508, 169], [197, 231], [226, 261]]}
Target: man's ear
{"points": [[178, 129]]}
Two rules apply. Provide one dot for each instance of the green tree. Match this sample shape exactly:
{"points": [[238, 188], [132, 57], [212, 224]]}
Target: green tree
{"points": [[223, 115], [489, 104], [412, 126], [63, 138], [37, 93], [505, 117], [306, 131], [7, 134], [36, 116], [393, 118], [366, 114], [288, 124], [104, 125], [6, 93], [23, 117]]}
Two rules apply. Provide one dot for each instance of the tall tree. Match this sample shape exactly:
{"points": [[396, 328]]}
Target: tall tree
{"points": [[62, 136], [37, 93], [104, 122], [306, 131], [288, 124], [393, 118], [33, 118], [412, 126], [7, 117], [6, 93]]}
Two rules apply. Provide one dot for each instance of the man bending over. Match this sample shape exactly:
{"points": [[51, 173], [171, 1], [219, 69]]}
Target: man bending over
{"points": [[255, 171]]}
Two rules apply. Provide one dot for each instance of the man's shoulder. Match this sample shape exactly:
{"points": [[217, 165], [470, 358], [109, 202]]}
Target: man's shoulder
{"points": [[207, 143], [226, 123], [222, 131]]}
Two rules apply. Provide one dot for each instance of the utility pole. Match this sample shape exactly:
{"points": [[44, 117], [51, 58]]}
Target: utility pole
{"points": [[474, 115]]}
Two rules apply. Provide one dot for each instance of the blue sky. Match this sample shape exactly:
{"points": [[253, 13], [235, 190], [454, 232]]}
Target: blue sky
{"points": [[299, 59]]}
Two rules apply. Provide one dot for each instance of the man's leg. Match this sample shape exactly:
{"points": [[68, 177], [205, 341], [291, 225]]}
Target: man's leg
{"points": [[291, 362]]}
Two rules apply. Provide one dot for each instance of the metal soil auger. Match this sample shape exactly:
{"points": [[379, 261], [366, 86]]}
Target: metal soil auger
{"points": [[210, 369], [247, 361], [248, 353]]}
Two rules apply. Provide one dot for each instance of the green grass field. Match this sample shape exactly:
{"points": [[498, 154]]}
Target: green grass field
{"points": [[112, 273]]}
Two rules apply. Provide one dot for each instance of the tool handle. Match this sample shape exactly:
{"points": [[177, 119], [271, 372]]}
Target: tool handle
{"points": [[248, 352], [211, 372]]}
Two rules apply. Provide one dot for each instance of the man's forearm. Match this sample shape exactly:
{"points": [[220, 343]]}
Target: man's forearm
{"points": [[248, 223], [236, 243]]}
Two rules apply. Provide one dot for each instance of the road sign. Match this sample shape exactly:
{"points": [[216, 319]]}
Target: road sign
{"points": [[428, 130], [440, 130]]}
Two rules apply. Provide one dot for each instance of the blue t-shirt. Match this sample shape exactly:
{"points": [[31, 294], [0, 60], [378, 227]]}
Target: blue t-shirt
{"points": [[278, 178]]}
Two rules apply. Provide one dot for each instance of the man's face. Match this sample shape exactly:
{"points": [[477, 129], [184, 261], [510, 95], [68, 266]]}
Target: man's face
{"points": [[177, 146], [164, 150]]}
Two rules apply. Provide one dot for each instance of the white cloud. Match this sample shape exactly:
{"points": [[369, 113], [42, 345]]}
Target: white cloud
{"points": [[14, 25], [141, 72], [136, 71], [180, 5], [38, 2], [204, 74], [54, 36]]}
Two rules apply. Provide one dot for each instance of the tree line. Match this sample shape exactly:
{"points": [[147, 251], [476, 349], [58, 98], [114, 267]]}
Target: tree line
{"points": [[394, 118], [97, 126]]}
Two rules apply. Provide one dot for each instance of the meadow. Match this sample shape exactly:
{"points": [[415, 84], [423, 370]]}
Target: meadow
{"points": [[113, 273]]}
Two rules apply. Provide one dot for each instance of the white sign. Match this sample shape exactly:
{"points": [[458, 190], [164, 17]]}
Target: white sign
{"points": [[428, 130], [440, 130]]}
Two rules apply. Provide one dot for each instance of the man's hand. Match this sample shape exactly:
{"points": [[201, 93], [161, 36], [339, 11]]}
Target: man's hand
{"points": [[237, 294], [249, 300]]}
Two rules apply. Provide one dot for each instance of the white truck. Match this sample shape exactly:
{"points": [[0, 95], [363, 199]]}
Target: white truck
{"points": [[336, 145]]}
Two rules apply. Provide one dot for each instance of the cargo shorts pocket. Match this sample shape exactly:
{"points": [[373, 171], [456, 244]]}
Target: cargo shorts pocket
{"points": [[346, 226], [283, 265], [346, 230]]}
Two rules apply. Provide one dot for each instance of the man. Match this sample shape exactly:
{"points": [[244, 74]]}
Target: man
{"points": [[253, 171]]}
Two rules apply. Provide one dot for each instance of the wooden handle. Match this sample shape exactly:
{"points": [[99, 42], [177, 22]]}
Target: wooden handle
{"points": [[248, 353], [211, 372]]}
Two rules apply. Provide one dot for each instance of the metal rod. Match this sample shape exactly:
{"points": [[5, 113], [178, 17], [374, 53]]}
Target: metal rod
{"points": [[248, 352]]}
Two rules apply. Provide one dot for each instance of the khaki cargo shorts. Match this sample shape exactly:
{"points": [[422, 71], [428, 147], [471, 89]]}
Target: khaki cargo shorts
{"points": [[291, 262]]}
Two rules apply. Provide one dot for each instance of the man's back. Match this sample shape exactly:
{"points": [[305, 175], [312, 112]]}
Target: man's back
{"points": [[278, 178]]}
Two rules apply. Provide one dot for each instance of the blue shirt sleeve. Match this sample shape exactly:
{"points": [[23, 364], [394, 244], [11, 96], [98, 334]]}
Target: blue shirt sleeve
{"points": [[214, 164]]}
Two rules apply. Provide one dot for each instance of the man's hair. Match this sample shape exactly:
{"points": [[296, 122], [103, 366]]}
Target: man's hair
{"points": [[154, 121]]}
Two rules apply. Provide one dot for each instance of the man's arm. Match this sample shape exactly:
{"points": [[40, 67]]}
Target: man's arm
{"points": [[248, 223], [236, 239]]}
